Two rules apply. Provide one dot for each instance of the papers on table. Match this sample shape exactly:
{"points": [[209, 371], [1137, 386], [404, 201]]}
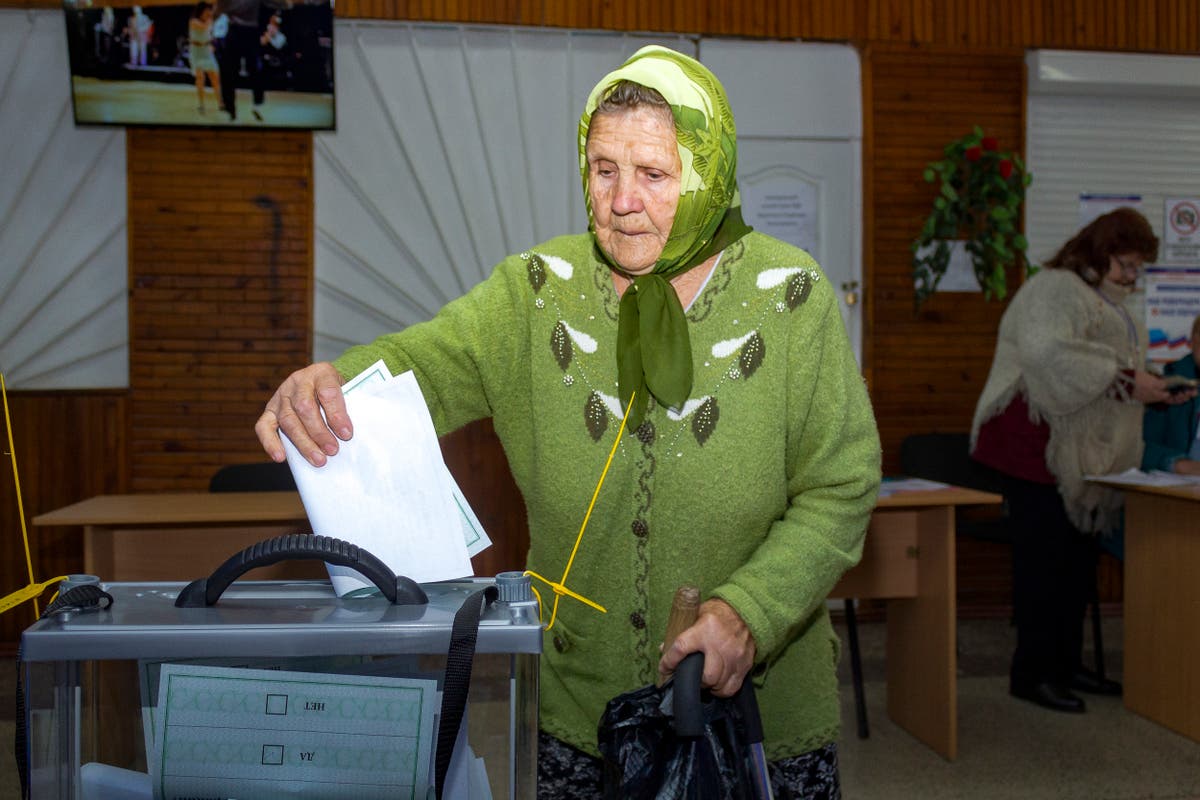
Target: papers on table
{"points": [[388, 490], [1136, 477], [891, 486]]}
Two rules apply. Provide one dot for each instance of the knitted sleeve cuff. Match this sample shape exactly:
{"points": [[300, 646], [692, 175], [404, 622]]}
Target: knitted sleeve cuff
{"points": [[1121, 388]]}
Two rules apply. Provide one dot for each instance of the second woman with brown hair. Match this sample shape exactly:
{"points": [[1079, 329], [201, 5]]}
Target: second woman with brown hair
{"points": [[1064, 400]]}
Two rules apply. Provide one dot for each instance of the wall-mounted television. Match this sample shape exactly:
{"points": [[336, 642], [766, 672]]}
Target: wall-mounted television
{"points": [[211, 63]]}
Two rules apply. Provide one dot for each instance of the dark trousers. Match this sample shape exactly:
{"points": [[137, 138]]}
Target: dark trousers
{"points": [[1054, 575], [241, 42]]}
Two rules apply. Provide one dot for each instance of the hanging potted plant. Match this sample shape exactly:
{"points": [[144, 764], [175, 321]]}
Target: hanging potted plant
{"points": [[979, 200]]}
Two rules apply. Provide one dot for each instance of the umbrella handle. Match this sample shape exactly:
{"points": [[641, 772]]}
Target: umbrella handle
{"points": [[685, 609], [687, 709]]}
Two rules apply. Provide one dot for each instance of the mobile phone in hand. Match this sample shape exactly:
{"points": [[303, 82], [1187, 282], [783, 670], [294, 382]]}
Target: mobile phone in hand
{"points": [[1179, 383]]}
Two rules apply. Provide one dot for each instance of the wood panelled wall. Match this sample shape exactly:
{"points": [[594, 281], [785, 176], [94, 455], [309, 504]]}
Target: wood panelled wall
{"points": [[220, 293], [68, 446], [927, 369], [221, 238], [1163, 26]]}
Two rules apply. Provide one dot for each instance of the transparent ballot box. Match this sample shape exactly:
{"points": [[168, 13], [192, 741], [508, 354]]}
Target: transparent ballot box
{"points": [[281, 689]]}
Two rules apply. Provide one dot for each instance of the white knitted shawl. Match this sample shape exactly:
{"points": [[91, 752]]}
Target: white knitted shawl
{"points": [[1061, 343]]}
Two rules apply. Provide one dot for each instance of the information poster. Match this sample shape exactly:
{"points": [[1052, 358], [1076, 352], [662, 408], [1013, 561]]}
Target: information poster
{"points": [[1172, 303], [960, 271], [1095, 205], [1181, 231], [781, 202]]}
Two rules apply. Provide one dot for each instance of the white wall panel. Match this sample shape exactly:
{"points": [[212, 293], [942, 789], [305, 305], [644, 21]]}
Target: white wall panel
{"points": [[63, 262], [455, 148], [1087, 134]]}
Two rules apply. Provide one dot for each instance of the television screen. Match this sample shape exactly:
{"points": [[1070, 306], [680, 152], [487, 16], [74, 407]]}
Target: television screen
{"points": [[245, 63]]}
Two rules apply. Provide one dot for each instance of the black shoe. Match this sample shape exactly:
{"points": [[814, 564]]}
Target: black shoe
{"points": [[1084, 680], [1048, 695]]}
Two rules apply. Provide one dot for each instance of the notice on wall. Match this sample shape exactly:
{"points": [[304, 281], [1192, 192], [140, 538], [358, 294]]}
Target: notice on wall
{"points": [[780, 202], [960, 271], [1096, 205], [1181, 230], [1172, 303]]}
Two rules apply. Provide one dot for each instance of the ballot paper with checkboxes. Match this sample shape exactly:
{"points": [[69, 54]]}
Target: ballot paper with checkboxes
{"points": [[228, 732]]}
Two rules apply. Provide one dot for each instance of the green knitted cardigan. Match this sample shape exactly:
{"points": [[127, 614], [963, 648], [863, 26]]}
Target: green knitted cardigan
{"points": [[758, 490]]}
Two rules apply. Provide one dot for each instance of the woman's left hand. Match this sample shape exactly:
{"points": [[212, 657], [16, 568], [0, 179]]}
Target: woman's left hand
{"points": [[726, 642], [1177, 397]]}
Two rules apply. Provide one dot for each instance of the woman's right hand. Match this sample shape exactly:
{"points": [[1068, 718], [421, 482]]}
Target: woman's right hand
{"points": [[1150, 388], [296, 410]]}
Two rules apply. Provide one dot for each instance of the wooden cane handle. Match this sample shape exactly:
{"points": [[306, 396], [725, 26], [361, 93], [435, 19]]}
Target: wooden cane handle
{"points": [[685, 608]]}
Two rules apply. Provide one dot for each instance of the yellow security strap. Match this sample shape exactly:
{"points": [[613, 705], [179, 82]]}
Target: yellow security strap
{"points": [[560, 587], [28, 593], [12, 452]]}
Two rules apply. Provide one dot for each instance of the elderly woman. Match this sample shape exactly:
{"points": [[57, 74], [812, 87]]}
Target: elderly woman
{"points": [[1064, 399], [750, 458]]}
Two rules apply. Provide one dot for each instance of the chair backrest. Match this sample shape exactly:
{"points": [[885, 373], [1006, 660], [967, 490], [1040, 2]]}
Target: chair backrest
{"points": [[258, 477], [946, 457]]}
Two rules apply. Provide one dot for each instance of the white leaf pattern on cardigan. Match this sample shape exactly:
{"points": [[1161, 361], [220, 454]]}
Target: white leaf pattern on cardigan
{"points": [[769, 279], [584, 342], [558, 266], [688, 409], [611, 403], [728, 347]]}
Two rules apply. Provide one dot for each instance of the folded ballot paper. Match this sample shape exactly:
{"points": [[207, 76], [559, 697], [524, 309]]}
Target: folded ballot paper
{"points": [[388, 490]]}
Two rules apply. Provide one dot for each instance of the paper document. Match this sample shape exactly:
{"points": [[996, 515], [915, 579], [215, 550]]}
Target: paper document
{"points": [[231, 733], [148, 683], [891, 486], [1136, 477], [388, 489]]}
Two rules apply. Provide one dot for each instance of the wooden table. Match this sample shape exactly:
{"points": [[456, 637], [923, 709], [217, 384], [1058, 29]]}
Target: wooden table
{"points": [[181, 536], [1162, 605], [908, 560]]}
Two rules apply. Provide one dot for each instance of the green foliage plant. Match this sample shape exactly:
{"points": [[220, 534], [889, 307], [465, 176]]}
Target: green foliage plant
{"points": [[979, 198]]}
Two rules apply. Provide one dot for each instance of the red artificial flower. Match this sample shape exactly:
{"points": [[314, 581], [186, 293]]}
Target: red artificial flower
{"points": [[1006, 167], [973, 153], [989, 143]]}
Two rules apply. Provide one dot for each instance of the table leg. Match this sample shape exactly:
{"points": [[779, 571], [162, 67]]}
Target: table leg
{"points": [[1162, 611], [922, 684]]}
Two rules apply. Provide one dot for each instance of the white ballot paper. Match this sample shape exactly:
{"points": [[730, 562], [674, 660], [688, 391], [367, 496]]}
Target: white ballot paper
{"points": [[238, 733], [1136, 477], [388, 490]]}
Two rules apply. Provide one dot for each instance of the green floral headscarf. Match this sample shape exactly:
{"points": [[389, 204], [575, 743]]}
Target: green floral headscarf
{"points": [[654, 354]]}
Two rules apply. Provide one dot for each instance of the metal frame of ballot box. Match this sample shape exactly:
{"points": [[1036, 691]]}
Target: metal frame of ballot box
{"points": [[88, 701]]}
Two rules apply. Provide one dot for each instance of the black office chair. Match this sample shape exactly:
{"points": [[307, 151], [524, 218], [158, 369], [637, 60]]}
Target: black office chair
{"points": [[946, 457], [258, 477]]}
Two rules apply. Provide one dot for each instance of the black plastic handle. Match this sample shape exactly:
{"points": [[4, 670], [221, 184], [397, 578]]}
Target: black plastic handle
{"points": [[398, 589], [689, 709]]}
